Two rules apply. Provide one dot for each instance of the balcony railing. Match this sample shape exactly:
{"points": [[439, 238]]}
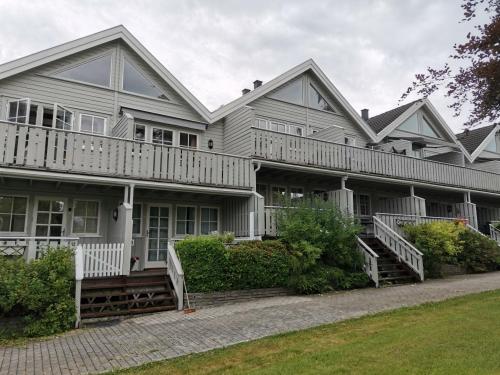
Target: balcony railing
{"points": [[35, 147], [316, 153]]}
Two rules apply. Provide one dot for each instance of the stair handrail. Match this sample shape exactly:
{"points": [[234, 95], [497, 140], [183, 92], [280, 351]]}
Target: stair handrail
{"points": [[371, 260], [176, 274], [405, 251], [494, 233]]}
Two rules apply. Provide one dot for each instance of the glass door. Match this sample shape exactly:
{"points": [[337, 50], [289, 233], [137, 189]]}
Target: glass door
{"points": [[158, 234]]}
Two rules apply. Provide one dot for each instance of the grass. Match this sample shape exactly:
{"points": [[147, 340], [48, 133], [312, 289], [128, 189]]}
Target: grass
{"points": [[457, 336]]}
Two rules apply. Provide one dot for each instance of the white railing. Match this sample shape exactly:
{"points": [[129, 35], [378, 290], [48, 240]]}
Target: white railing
{"points": [[79, 275], [406, 252], [102, 260], [371, 261], [32, 247], [397, 221], [35, 147], [270, 227], [176, 274], [289, 148], [494, 234]]}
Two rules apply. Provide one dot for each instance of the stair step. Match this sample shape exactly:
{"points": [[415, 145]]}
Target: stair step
{"points": [[123, 284], [394, 278], [143, 310], [126, 302]]}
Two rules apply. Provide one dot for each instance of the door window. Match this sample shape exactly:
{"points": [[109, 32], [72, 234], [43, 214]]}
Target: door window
{"points": [[158, 233], [50, 218]]}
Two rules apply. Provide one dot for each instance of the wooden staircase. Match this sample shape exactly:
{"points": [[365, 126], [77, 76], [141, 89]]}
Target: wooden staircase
{"points": [[390, 270], [140, 292]]}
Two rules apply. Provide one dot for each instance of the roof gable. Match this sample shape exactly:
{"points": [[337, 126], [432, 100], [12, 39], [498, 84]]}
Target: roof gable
{"points": [[116, 33], [381, 121], [476, 140], [289, 76]]}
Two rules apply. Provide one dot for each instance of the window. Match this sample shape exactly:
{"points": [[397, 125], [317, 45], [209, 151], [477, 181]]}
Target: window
{"points": [[137, 219], [185, 221], [64, 118], [134, 81], [48, 117], [33, 114], [92, 124], [296, 193], [85, 217], [188, 140], [317, 101], [280, 127], [350, 141], [427, 129], [18, 111], [140, 133], [291, 92], [296, 130], [13, 214], [362, 205], [163, 136], [262, 190], [97, 72], [278, 193], [419, 125], [209, 220], [321, 194]]}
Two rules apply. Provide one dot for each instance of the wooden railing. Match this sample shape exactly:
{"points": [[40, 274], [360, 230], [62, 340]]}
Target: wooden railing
{"points": [[371, 261], [102, 260], [270, 228], [312, 152], [397, 221], [404, 250], [58, 150], [32, 247], [494, 234], [176, 274]]}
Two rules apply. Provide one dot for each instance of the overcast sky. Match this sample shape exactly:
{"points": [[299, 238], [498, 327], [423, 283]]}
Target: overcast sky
{"points": [[369, 49]]}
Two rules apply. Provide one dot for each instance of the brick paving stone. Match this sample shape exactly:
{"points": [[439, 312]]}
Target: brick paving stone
{"points": [[133, 341]]}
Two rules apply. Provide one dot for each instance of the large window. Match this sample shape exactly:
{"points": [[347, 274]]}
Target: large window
{"points": [[280, 126], [18, 111], [64, 118], [92, 124], [13, 214], [209, 220], [188, 140], [85, 217], [163, 136], [97, 71], [317, 101], [137, 219], [185, 220], [420, 125], [291, 92], [134, 81]]}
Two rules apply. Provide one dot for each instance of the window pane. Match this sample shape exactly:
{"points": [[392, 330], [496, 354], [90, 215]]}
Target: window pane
{"points": [[140, 133], [163, 211], [183, 141], [181, 213], [56, 218], [22, 110], [12, 111], [92, 209], [193, 141], [168, 137], [42, 218], [44, 205], [91, 225], [317, 101], [190, 213], [4, 223], [78, 224], [57, 206], [42, 230], [136, 82], [213, 214], [55, 231], [79, 209], [18, 222], [6, 205], [205, 228], [97, 71], [136, 226], [48, 115], [190, 227], [291, 92], [205, 214], [411, 124], [99, 125], [86, 124], [427, 129], [33, 114], [137, 211], [157, 135]]}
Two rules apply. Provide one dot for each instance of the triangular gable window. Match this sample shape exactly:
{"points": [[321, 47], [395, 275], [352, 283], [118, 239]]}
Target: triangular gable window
{"points": [[427, 129], [413, 125], [97, 72], [492, 146], [317, 101], [291, 92], [410, 125], [134, 81]]}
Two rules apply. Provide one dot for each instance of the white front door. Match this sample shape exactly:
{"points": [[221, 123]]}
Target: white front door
{"points": [[50, 217], [158, 235]]}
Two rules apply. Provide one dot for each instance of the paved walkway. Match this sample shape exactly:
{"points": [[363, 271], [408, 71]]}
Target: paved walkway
{"points": [[134, 341]]}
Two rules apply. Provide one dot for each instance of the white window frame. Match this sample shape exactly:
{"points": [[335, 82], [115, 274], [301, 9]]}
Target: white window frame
{"points": [[272, 193], [141, 219], [145, 76], [93, 118], [85, 234], [146, 127], [259, 121], [54, 117], [180, 235], [349, 140], [321, 93], [163, 129], [200, 221], [28, 104], [9, 233], [188, 134]]}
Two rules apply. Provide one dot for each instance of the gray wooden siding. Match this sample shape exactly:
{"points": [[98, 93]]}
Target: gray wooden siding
{"points": [[215, 132], [237, 128], [490, 166], [330, 134], [449, 157]]}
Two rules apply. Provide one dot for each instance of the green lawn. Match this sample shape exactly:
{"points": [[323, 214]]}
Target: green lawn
{"points": [[458, 336]]}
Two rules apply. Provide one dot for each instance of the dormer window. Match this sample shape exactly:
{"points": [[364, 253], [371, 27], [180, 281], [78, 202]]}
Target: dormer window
{"points": [[96, 71], [136, 82]]}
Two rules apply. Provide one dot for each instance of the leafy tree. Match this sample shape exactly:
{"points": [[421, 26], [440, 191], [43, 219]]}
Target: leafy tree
{"points": [[476, 77]]}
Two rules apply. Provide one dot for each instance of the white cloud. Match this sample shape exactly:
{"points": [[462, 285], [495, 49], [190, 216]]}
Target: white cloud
{"points": [[369, 49]]}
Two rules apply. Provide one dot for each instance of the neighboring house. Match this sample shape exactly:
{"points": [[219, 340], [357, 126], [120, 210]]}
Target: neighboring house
{"points": [[100, 144]]}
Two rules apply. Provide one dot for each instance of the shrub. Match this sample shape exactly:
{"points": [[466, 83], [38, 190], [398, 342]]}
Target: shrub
{"points": [[314, 280], [258, 264], [439, 241], [41, 291], [204, 260], [480, 253]]}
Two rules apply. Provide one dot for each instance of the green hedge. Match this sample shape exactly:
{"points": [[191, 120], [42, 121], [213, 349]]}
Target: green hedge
{"points": [[41, 291]]}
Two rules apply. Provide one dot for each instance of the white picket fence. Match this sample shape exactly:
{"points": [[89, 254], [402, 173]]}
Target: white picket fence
{"points": [[101, 260]]}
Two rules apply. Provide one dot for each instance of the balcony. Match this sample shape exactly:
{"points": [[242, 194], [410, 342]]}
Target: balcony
{"points": [[302, 151], [35, 147]]}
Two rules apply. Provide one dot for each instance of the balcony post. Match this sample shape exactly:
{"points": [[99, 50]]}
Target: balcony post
{"points": [[343, 198]]}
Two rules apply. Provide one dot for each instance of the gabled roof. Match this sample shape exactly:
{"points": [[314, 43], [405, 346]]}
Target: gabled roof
{"points": [[381, 121], [115, 33], [308, 65], [475, 140]]}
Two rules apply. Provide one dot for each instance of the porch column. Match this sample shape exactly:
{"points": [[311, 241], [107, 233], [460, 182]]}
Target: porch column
{"points": [[412, 205], [126, 209], [467, 210], [257, 214], [343, 198]]}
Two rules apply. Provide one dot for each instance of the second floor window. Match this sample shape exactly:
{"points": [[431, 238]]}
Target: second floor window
{"points": [[64, 118], [140, 133], [188, 140], [18, 111], [163, 136], [281, 127], [92, 124]]}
